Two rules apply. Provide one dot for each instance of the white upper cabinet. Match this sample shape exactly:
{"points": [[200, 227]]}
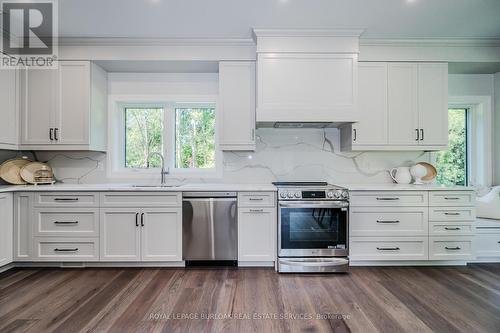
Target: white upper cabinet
{"points": [[405, 109], [402, 104], [64, 108], [237, 105], [372, 130], [307, 76], [9, 92], [433, 104]]}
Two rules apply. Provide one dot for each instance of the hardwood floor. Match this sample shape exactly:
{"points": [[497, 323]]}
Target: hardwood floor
{"points": [[403, 299]]}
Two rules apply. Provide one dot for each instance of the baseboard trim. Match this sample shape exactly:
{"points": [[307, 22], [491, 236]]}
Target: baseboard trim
{"points": [[409, 263]]}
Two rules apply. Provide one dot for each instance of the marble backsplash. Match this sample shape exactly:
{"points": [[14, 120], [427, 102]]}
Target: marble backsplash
{"points": [[281, 154]]}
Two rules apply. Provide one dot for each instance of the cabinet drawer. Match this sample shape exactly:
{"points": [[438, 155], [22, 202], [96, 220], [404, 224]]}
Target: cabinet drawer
{"points": [[388, 248], [390, 221], [388, 198], [143, 199], [452, 214], [70, 249], [451, 229], [453, 198], [256, 199], [66, 199], [451, 248], [488, 245], [66, 222]]}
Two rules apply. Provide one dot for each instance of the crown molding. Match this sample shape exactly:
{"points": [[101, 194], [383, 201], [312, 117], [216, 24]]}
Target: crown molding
{"points": [[306, 32], [127, 41], [432, 42]]}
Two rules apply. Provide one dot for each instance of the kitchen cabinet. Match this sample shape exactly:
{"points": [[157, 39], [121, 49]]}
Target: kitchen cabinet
{"points": [[64, 108], [9, 104], [488, 240], [23, 235], [257, 227], [135, 234], [6, 228], [404, 107], [237, 105]]}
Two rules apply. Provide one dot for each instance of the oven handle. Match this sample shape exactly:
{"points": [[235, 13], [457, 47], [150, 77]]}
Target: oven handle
{"points": [[323, 263], [314, 204]]}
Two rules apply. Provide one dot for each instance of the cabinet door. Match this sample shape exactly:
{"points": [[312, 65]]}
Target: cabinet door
{"points": [[9, 92], [73, 112], [257, 234], [307, 87], [372, 127], [39, 105], [433, 103], [402, 104], [6, 230], [120, 234], [23, 218], [161, 234], [237, 104]]}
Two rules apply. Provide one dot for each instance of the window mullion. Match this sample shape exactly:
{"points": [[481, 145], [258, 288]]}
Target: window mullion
{"points": [[169, 137]]}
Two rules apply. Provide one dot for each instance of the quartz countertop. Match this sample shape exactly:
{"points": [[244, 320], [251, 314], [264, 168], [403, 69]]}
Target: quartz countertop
{"points": [[401, 187]]}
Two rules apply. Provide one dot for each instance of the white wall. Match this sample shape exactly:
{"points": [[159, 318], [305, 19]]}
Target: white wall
{"points": [[470, 85]]}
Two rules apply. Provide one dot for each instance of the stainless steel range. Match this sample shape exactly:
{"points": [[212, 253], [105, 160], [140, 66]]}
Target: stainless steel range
{"points": [[312, 227]]}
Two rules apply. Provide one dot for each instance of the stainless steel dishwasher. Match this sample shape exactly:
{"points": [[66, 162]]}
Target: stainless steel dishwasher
{"points": [[209, 228]]}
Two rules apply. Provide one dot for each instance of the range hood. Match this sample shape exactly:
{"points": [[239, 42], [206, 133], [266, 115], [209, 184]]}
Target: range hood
{"points": [[297, 125]]}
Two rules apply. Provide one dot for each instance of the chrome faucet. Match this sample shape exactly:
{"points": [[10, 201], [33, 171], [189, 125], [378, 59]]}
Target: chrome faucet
{"points": [[163, 171]]}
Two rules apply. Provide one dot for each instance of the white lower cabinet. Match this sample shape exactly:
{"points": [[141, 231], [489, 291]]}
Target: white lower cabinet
{"points": [[65, 249], [388, 248], [23, 217], [451, 248], [6, 228], [256, 234], [488, 240], [135, 234]]}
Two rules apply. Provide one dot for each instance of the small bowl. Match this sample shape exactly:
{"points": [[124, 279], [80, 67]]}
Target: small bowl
{"points": [[431, 172]]}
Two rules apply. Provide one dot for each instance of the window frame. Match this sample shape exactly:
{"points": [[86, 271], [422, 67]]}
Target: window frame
{"points": [[116, 136]]}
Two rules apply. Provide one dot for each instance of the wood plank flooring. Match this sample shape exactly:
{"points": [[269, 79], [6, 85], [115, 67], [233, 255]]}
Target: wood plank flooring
{"points": [[377, 299]]}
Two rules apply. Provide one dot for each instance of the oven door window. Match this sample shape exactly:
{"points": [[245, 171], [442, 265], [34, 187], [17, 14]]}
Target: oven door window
{"points": [[313, 228]]}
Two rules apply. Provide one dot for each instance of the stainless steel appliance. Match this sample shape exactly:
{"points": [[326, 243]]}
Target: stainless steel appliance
{"points": [[312, 227], [209, 228]]}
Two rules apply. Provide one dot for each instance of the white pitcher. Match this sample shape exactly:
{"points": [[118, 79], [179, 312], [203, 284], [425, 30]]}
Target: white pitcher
{"points": [[401, 175]]}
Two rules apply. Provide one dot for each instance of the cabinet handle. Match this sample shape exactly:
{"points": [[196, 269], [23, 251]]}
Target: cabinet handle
{"points": [[256, 210], [142, 220], [55, 134], [448, 228], [454, 214], [421, 134], [453, 248], [256, 199], [418, 136], [355, 134], [387, 199], [65, 222], [66, 199], [51, 137], [388, 248], [136, 219], [395, 221], [66, 250], [451, 198]]}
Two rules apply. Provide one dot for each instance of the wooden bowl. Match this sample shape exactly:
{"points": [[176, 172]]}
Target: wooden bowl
{"points": [[10, 170], [431, 172]]}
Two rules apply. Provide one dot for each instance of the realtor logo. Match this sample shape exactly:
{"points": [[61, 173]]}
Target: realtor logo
{"points": [[29, 32]]}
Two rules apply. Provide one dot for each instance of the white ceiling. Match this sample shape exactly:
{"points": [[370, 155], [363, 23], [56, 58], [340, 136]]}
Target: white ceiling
{"points": [[235, 18]]}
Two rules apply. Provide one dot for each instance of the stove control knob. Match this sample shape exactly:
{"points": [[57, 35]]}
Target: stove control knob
{"points": [[282, 195], [329, 195], [337, 195], [298, 194], [290, 195], [345, 194]]}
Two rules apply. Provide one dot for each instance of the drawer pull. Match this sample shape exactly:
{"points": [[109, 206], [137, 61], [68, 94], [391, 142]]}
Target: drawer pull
{"points": [[388, 248], [388, 221], [65, 222], [453, 248], [66, 199], [256, 199], [454, 214], [256, 210], [66, 250], [451, 198], [387, 199], [448, 228]]}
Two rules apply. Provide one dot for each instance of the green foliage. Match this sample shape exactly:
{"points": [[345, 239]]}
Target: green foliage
{"points": [[195, 138], [143, 136], [451, 165]]}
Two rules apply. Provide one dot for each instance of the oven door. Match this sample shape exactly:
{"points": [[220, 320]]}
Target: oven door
{"points": [[313, 229]]}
